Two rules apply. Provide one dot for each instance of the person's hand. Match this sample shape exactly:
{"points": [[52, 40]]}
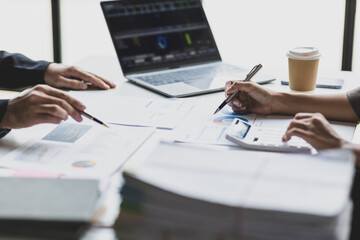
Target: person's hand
{"points": [[62, 76], [315, 129], [251, 97], [41, 104]]}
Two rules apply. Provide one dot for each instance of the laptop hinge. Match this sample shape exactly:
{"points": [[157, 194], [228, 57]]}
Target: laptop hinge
{"points": [[172, 67]]}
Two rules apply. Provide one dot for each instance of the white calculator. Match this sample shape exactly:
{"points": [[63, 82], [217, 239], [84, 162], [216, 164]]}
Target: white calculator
{"points": [[261, 138]]}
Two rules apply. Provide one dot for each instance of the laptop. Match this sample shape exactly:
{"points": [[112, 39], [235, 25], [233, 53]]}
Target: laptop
{"points": [[167, 46]]}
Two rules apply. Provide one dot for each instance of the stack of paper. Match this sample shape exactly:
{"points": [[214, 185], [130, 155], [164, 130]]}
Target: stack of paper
{"points": [[47, 208], [192, 192]]}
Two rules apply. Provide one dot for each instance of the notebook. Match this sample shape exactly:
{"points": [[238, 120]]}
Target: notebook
{"points": [[168, 47]]}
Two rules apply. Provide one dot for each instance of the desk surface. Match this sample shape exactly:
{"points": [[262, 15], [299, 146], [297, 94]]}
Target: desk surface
{"points": [[108, 67]]}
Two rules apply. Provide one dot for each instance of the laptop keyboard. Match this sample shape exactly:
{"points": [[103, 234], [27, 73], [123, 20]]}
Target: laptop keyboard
{"points": [[188, 75]]}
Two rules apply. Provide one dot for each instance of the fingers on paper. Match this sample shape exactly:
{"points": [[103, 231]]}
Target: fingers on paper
{"points": [[73, 83], [91, 78], [304, 125]]}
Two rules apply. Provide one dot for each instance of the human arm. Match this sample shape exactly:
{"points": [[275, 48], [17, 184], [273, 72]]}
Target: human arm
{"points": [[255, 98], [17, 71], [312, 126], [3, 107], [71, 77], [317, 131], [41, 104]]}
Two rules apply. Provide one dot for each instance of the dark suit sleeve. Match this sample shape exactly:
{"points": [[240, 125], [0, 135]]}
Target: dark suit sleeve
{"points": [[18, 71], [3, 106], [354, 99]]}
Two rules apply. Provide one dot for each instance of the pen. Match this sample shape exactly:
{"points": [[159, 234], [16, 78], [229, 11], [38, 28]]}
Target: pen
{"points": [[93, 118], [252, 72]]}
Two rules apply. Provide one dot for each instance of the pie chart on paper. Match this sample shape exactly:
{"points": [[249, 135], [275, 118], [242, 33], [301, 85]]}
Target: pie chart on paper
{"points": [[84, 164]]}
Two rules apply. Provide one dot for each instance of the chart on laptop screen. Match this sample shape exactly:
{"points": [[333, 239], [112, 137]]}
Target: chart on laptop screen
{"points": [[164, 32]]}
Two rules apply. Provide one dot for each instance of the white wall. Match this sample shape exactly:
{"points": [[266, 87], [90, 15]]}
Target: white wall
{"points": [[356, 55], [84, 30], [262, 31], [247, 31], [25, 27]]}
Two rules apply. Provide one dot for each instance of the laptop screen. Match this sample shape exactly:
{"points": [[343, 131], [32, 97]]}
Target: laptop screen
{"points": [[159, 33]]}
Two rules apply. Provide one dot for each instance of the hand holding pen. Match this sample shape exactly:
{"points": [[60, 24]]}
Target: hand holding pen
{"points": [[252, 72]]}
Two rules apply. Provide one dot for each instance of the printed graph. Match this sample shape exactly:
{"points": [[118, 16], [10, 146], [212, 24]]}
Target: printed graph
{"points": [[84, 164], [67, 132], [40, 153], [228, 115], [227, 120]]}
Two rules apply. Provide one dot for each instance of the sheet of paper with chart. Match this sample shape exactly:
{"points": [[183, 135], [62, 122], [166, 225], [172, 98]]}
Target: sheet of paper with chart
{"points": [[134, 111], [201, 126], [73, 149]]}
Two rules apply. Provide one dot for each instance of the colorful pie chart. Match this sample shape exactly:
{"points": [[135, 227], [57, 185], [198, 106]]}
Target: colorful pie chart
{"points": [[84, 164]]}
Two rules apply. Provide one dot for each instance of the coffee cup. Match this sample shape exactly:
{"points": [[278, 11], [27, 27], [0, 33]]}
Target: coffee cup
{"points": [[303, 68]]}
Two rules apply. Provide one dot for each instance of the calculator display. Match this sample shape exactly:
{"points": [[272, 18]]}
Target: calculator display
{"points": [[241, 129]]}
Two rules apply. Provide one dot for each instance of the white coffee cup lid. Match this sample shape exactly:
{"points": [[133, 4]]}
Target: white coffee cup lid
{"points": [[304, 53]]}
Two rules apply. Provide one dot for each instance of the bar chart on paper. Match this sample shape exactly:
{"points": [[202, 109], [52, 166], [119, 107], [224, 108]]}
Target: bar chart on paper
{"points": [[73, 149], [67, 132], [39, 153]]}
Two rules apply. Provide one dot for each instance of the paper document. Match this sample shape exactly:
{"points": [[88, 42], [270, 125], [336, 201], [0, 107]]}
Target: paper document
{"points": [[134, 111], [210, 174], [207, 191], [5, 172], [79, 150], [34, 174], [201, 126]]}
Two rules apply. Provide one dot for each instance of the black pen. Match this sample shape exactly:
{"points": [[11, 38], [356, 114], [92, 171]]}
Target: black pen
{"points": [[93, 118], [252, 72]]}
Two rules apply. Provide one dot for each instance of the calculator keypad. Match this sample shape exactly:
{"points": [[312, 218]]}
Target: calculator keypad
{"points": [[273, 137]]}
